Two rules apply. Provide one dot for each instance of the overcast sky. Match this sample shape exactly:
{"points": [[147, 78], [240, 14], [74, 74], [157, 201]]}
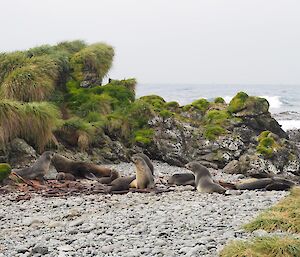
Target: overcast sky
{"points": [[170, 41]]}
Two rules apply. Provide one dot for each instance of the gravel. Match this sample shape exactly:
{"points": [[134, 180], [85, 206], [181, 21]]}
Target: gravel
{"points": [[178, 223]]}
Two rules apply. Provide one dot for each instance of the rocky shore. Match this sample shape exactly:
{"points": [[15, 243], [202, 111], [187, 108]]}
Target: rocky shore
{"points": [[182, 222]]}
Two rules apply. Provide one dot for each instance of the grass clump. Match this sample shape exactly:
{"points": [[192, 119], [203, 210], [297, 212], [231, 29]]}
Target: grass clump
{"points": [[32, 121], [156, 101], [217, 117], [286, 246], [144, 136], [5, 170], [9, 62], [219, 100], [128, 83], [201, 104], [211, 132], [284, 216], [31, 82], [267, 145], [94, 59]]}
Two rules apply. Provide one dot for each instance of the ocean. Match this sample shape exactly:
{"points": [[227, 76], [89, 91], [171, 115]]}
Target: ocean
{"points": [[284, 99]]}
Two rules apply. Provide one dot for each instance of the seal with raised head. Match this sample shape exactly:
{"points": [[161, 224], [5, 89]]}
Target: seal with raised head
{"points": [[182, 179], [147, 160], [39, 169], [144, 178], [203, 179], [80, 169]]}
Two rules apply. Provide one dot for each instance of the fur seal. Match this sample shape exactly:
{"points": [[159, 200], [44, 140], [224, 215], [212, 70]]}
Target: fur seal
{"points": [[182, 179], [39, 169], [80, 169], [147, 160], [107, 180], [269, 184], [203, 179], [144, 178], [121, 184], [61, 176]]}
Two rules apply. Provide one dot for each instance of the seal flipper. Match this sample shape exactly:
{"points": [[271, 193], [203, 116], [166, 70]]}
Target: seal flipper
{"points": [[90, 176]]}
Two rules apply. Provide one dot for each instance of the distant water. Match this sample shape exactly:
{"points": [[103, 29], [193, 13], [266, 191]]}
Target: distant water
{"points": [[284, 99]]}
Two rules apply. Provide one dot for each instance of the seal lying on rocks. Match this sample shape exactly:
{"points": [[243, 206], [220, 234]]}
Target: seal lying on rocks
{"points": [[107, 180], [80, 169], [147, 160], [39, 169], [121, 184], [203, 179], [182, 179], [269, 184], [144, 178]]}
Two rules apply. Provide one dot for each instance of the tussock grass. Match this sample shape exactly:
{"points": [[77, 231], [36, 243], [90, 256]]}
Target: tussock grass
{"points": [[284, 216], [32, 121], [96, 58], [286, 246]]}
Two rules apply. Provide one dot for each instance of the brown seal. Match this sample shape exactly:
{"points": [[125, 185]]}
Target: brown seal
{"points": [[39, 169], [147, 160], [80, 169], [203, 179], [107, 180], [275, 183], [182, 179], [121, 184], [144, 178]]}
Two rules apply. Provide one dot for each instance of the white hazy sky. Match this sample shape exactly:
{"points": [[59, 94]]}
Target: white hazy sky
{"points": [[170, 41]]}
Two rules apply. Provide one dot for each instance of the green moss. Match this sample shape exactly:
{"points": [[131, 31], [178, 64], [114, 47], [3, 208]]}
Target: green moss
{"points": [[119, 92], [237, 103], [201, 104], [186, 108], [5, 170], [216, 117], [166, 114], [156, 101], [77, 124], [173, 105], [211, 132], [128, 83], [250, 104], [279, 246], [144, 136], [266, 144], [219, 100]]}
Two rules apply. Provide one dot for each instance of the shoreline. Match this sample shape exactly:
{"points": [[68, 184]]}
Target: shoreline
{"points": [[168, 224]]}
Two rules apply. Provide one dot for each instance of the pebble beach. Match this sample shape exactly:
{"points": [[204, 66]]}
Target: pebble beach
{"points": [[178, 223]]}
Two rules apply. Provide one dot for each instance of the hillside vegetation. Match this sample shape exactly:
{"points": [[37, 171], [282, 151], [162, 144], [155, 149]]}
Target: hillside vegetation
{"points": [[52, 94]]}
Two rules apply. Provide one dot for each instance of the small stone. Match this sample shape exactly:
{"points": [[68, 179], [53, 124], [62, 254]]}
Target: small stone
{"points": [[259, 233], [65, 248], [76, 222], [39, 250], [107, 249], [21, 249]]}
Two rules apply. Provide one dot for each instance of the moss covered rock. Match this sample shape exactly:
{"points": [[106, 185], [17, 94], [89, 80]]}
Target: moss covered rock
{"points": [[244, 105], [267, 144], [156, 101], [5, 170]]}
